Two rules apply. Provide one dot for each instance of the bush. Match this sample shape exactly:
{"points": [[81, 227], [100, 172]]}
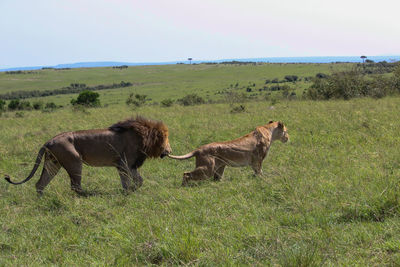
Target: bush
{"points": [[235, 97], [190, 100], [25, 105], [167, 102], [238, 109], [291, 78], [351, 84], [321, 75], [136, 100], [87, 98], [37, 105], [19, 114], [2, 105], [50, 105], [13, 104]]}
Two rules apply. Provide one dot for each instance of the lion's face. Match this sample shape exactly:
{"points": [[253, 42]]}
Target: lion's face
{"points": [[166, 148], [285, 136], [281, 133]]}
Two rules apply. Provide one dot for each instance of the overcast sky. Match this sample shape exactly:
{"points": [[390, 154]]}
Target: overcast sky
{"points": [[50, 32]]}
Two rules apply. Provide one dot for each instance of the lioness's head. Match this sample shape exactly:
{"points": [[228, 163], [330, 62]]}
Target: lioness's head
{"points": [[280, 132]]}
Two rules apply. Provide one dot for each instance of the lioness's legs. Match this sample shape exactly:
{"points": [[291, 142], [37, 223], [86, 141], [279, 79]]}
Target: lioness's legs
{"points": [[200, 173], [256, 166], [219, 173], [50, 169]]}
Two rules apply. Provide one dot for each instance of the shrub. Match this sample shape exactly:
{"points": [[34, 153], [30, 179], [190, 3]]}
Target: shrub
{"points": [[350, 84], [87, 98], [37, 105], [167, 102], [343, 85], [13, 104], [19, 114], [238, 109], [291, 78], [2, 105], [50, 105], [321, 75], [136, 100], [190, 100], [25, 105], [235, 97]]}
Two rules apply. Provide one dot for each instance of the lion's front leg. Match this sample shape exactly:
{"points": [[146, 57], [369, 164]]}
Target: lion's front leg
{"points": [[125, 175], [137, 179]]}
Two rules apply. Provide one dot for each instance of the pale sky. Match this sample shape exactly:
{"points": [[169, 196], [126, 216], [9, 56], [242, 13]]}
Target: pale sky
{"points": [[50, 32]]}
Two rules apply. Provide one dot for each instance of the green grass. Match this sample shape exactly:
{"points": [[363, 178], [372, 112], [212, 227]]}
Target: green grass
{"points": [[162, 82], [330, 196]]}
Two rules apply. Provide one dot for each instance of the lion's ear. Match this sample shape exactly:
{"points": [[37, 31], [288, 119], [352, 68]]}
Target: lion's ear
{"points": [[270, 122], [280, 125]]}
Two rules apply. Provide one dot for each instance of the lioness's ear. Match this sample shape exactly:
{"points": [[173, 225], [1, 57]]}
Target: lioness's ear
{"points": [[280, 125], [270, 122]]}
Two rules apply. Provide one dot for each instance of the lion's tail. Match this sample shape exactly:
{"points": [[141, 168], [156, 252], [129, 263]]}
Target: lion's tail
{"points": [[35, 167], [187, 156]]}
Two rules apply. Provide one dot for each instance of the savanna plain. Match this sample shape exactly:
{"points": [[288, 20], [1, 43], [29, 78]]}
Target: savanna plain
{"points": [[330, 196]]}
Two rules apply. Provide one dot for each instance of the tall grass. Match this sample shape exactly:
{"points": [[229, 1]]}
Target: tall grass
{"points": [[328, 197]]}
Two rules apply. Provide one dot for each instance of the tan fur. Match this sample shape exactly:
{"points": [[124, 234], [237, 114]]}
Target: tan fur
{"points": [[124, 145], [251, 149]]}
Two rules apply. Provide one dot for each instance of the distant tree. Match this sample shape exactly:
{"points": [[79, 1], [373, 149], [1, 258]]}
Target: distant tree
{"points": [[190, 60], [363, 58]]}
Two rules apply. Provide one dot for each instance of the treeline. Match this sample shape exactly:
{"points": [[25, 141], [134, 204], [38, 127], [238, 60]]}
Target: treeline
{"points": [[74, 88], [120, 67], [354, 83], [20, 72], [19, 105]]}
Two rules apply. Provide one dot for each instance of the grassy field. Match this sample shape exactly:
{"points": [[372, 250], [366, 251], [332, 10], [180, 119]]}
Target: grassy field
{"points": [[162, 82], [330, 196]]}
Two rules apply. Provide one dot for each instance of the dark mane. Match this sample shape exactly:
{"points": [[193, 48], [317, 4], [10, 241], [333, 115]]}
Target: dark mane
{"points": [[153, 133]]}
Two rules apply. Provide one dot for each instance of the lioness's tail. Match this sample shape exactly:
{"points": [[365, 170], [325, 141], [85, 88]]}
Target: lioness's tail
{"points": [[187, 156], [35, 167]]}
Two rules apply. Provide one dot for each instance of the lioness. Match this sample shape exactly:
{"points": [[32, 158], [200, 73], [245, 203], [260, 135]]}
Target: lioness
{"points": [[124, 145], [250, 149]]}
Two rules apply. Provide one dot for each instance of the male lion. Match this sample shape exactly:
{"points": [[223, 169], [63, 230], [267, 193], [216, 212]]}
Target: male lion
{"points": [[250, 149], [124, 145]]}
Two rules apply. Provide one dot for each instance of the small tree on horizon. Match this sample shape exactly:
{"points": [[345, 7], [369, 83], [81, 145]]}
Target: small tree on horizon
{"points": [[363, 58]]}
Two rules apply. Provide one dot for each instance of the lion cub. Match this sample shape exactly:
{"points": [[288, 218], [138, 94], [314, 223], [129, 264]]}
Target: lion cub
{"points": [[251, 149]]}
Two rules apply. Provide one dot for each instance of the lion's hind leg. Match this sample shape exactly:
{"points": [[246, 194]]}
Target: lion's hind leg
{"points": [[72, 163], [50, 169]]}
